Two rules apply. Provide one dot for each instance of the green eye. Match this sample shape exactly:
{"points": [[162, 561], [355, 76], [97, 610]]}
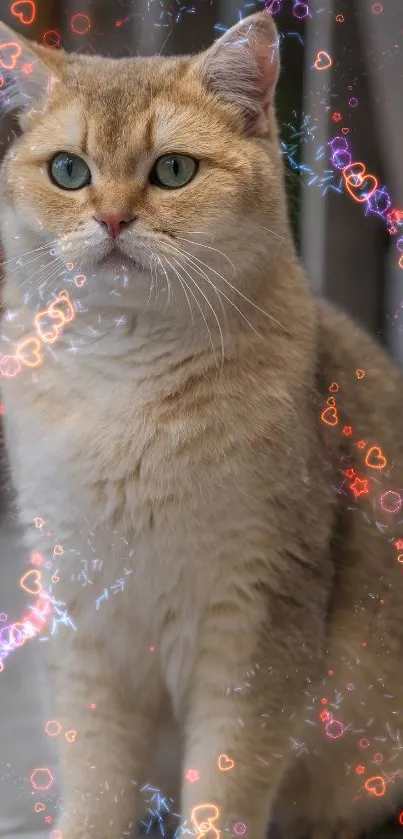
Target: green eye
{"points": [[174, 170], [68, 171]]}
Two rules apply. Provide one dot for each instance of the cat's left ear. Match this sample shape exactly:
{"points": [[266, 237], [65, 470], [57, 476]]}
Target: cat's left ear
{"points": [[28, 71], [242, 69]]}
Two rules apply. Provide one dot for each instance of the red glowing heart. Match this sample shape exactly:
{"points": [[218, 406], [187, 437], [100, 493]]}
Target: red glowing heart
{"points": [[375, 458], [24, 10], [330, 416]]}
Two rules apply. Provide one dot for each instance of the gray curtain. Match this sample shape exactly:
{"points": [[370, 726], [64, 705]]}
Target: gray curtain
{"points": [[348, 254]]}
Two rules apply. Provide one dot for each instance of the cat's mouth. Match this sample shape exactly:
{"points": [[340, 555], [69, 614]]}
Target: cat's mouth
{"points": [[117, 257]]}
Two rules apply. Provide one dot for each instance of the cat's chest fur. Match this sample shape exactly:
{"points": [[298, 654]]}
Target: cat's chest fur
{"points": [[156, 518]]}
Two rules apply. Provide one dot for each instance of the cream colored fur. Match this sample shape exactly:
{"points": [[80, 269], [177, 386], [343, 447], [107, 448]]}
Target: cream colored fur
{"points": [[181, 449]]}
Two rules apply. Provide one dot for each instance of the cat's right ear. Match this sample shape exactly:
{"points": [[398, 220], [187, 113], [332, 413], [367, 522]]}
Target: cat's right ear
{"points": [[28, 71], [241, 69]]}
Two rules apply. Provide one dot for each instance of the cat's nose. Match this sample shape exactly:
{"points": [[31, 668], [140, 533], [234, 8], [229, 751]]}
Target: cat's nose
{"points": [[114, 222]]}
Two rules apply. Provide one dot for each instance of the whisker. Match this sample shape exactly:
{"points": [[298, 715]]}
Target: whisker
{"points": [[48, 273], [183, 287], [198, 306], [214, 314], [44, 270], [152, 281], [273, 233], [10, 271], [251, 303], [219, 291], [27, 253], [210, 248], [167, 281], [202, 274]]}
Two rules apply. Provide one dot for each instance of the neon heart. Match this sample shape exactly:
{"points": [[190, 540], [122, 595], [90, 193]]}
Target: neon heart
{"points": [[24, 10], [368, 181], [331, 401], [70, 735], [49, 333], [30, 353], [204, 823], [334, 387], [31, 582], [10, 51], [376, 786], [62, 307], [323, 61], [225, 763], [353, 172], [375, 458], [39, 807], [330, 416], [355, 178], [360, 374]]}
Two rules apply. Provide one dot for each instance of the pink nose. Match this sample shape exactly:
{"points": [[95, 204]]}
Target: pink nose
{"points": [[113, 221]]}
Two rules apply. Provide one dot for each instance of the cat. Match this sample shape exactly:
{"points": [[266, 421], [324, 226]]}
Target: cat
{"points": [[207, 461]]}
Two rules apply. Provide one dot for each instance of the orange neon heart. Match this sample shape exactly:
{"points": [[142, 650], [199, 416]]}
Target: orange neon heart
{"points": [[376, 786], [360, 374], [368, 180], [24, 10], [39, 807], [62, 307], [331, 401], [9, 55], [30, 353], [334, 387], [225, 763], [330, 416], [31, 582], [355, 179], [70, 735], [204, 821], [48, 333], [353, 172], [323, 61], [375, 458]]}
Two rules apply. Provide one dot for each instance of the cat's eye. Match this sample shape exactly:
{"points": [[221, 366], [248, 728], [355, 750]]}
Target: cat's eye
{"points": [[172, 171], [68, 171]]}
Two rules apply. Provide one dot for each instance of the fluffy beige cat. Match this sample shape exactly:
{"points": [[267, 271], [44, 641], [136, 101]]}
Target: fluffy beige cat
{"points": [[218, 454]]}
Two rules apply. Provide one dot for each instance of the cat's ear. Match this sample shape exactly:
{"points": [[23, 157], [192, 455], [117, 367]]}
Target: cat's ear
{"points": [[28, 71], [242, 68]]}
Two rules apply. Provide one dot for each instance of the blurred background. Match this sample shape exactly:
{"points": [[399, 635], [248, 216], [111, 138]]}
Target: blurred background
{"points": [[339, 102]]}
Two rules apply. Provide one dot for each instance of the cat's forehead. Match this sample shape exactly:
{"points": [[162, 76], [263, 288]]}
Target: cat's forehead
{"points": [[125, 107]]}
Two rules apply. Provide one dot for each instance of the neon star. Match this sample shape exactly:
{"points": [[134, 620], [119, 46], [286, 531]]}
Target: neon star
{"points": [[359, 487]]}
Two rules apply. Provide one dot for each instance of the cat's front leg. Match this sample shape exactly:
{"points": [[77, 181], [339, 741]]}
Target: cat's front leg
{"points": [[248, 691], [109, 730]]}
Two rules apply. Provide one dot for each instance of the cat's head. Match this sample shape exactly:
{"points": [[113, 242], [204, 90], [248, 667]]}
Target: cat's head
{"points": [[145, 172]]}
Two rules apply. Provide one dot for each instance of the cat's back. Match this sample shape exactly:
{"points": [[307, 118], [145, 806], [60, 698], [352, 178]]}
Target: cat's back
{"points": [[365, 441]]}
